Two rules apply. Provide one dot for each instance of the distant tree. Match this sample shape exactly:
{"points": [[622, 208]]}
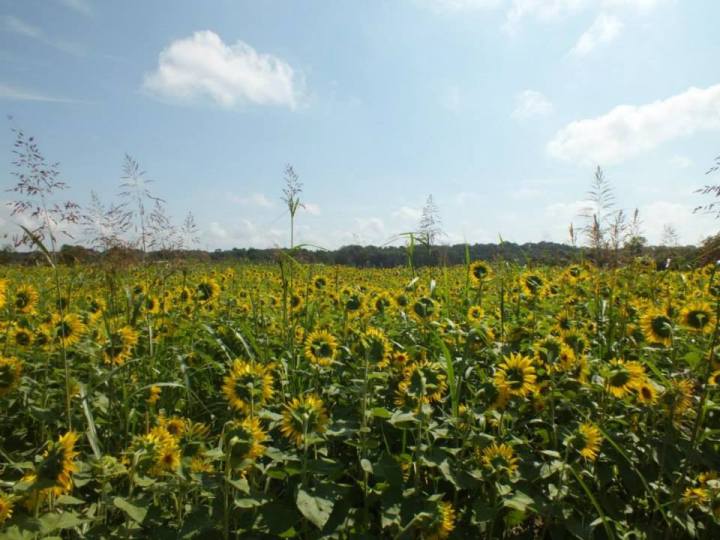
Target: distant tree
{"points": [[670, 236], [291, 197], [430, 226]]}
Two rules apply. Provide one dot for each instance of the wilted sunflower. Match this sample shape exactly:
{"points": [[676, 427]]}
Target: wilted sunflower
{"points": [[245, 441], [303, 417], [586, 440], [698, 317], [499, 458], [623, 377], [25, 299], [58, 462], [66, 329], [248, 386], [441, 523], [119, 344], [422, 382], [10, 372], [657, 327], [377, 347], [480, 271], [677, 398], [320, 348], [517, 375], [6, 507]]}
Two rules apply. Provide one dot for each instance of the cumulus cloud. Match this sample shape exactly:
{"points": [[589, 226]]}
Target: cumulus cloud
{"points": [[603, 30], [529, 104], [202, 66], [243, 233], [629, 130], [407, 213]]}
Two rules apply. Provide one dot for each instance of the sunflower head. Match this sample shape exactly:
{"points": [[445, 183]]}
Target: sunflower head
{"points": [[657, 327], [622, 377], [304, 417], [25, 299], [480, 271], [422, 382], [698, 317], [441, 522], [245, 442], [586, 441], [248, 386], [10, 372], [320, 348], [6, 507], [499, 459], [516, 374]]}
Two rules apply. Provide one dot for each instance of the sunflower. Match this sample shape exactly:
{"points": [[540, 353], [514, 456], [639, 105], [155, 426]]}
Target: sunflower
{"points": [[119, 345], [442, 522], [353, 303], [25, 299], [695, 496], [10, 372], [714, 379], [320, 348], [245, 441], [475, 314], [296, 303], [174, 425], [22, 337], [677, 398], [381, 302], [66, 329], [532, 284], [698, 317], [248, 386], [424, 309], [58, 462], [646, 392], [517, 375], [95, 308], [586, 440], [499, 458], [623, 377], [422, 382], [319, 283], [154, 396], [657, 327], [304, 416], [207, 290], [480, 272], [3, 292], [376, 347], [153, 305], [6, 507]]}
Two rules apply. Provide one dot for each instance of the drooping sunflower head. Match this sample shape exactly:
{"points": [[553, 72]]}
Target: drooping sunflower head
{"points": [[622, 377], [10, 372], [698, 317], [422, 382], [480, 271], [517, 375], [207, 290], [25, 299], [118, 345], [245, 441], [248, 386], [657, 327], [304, 417], [441, 522], [320, 348], [499, 459], [586, 441], [58, 462], [376, 347]]}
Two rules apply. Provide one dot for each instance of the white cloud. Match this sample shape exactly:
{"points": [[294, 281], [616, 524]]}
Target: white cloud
{"points": [[254, 199], [629, 130], [312, 208], [202, 66], [681, 162], [243, 233], [83, 7], [529, 104], [407, 213], [20, 27], [455, 6], [603, 30], [19, 94], [691, 228]]}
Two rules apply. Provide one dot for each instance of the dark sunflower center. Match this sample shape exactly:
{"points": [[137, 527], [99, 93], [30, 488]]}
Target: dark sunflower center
{"points": [[515, 378], [533, 283], [661, 326], [697, 318], [22, 300], [619, 378], [205, 291]]}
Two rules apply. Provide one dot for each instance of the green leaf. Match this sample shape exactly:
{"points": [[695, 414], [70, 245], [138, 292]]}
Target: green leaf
{"points": [[135, 513], [314, 506], [54, 522], [520, 501]]}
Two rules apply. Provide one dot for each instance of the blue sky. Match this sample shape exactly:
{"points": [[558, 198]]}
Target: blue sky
{"points": [[499, 108]]}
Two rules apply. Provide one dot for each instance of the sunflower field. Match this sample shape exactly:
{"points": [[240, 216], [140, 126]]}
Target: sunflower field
{"points": [[183, 400]]}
